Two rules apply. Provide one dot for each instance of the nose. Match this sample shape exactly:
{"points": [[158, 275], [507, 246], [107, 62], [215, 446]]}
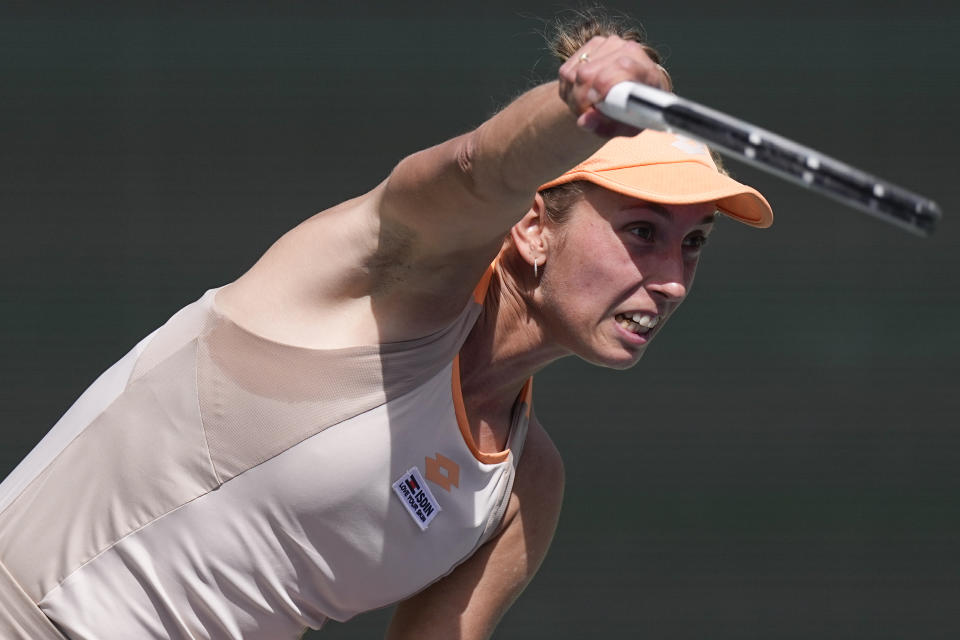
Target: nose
{"points": [[671, 290], [668, 277]]}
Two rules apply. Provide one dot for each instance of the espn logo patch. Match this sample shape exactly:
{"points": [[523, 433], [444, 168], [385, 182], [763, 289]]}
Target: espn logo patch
{"points": [[413, 492]]}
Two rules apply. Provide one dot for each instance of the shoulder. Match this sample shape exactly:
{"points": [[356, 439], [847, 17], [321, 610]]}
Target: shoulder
{"points": [[538, 486], [540, 464]]}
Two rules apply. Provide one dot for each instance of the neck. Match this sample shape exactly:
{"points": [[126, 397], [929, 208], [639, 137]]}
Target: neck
{"points": [[509, 342]]}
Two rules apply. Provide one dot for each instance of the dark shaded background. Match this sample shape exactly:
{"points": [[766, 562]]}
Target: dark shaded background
{"points": [[783, 464]]}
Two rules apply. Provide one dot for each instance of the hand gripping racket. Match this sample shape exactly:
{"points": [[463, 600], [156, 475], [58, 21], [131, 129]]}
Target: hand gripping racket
{"points": [[649, 108]]}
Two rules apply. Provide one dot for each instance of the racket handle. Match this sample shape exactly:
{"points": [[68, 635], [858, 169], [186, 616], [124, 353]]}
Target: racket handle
{"points": [[639, 105]]}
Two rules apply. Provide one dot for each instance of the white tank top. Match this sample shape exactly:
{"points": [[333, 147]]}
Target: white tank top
{"points": [[215, 484]]}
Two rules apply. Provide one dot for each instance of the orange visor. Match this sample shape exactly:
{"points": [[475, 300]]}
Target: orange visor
{"points": [[669, 169]]}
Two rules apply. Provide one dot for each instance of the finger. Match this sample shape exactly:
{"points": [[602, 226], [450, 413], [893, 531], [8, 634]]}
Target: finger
{"points": [[591, 55], [590, 50], [631, 67], [595, 54], [603, 126], [603, 62], [667, 84], [597, 48]]}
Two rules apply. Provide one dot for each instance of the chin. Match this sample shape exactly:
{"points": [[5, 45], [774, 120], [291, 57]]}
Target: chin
{"points": [[621, 362]]}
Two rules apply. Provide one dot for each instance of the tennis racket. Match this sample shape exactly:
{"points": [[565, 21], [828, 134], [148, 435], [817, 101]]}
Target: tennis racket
{"points": [[646, 107]]}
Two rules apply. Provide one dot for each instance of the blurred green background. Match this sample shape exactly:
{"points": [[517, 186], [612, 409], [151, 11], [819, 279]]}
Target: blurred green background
{"points": [[783, 463]]}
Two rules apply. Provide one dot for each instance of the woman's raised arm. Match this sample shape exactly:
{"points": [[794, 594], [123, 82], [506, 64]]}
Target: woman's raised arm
{"points": [[468, 191], [412, 249]]}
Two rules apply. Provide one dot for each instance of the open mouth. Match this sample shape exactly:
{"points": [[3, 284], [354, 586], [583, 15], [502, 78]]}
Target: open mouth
{"points": [[638, 322]]}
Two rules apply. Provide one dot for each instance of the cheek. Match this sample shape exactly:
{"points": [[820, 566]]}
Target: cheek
{"points": [[601, 260], [572, 287], [589, 269], [690, 272]]}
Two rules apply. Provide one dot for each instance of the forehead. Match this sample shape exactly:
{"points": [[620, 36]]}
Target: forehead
{"points": [[614, 206]]}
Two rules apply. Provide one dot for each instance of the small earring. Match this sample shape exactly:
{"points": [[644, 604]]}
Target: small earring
{"points": [[534, 268]]}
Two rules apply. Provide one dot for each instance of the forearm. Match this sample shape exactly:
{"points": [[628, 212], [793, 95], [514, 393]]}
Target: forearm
{"points": [[473, 187], [555, 126], [531, 141], [469, 190]]}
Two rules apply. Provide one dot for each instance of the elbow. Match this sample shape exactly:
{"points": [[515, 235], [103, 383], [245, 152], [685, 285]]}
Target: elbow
{"points": [[484, 175], [465, 163]]}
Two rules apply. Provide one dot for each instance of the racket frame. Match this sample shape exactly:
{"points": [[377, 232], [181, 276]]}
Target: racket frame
{"points": [[646, 107]]}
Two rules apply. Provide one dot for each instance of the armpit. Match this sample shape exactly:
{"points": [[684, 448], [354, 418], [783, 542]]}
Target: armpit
{"points": [[390, 265]]}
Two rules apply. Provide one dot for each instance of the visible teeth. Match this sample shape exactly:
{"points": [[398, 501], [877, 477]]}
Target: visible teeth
{"points": [[637, 322], [644, 320]]}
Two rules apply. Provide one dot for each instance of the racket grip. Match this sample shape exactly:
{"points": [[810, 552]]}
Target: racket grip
{"points": [[639, 105]]}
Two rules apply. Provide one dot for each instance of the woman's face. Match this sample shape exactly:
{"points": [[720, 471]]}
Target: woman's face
{"points": [[616, 270]]}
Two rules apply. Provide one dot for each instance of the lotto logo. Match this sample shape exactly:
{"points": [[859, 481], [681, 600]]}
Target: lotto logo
{"points": [[443, 471]]}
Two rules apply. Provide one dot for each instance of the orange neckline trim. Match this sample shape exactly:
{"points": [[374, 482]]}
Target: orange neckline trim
{"points": [[479, 293]]}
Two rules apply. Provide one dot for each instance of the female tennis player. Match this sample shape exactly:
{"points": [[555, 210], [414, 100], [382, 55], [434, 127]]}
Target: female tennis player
{"points": [[348, 424]]}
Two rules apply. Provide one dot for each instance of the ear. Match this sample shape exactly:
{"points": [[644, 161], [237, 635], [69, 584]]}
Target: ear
{"points": [[530, 235]]}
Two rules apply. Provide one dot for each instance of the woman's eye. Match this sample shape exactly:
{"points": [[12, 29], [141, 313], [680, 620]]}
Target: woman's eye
{"points": [[642, 231], [695, 241]]}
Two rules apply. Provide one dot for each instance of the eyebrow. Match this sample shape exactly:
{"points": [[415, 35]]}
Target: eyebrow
{"points": [[665, 213]]}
